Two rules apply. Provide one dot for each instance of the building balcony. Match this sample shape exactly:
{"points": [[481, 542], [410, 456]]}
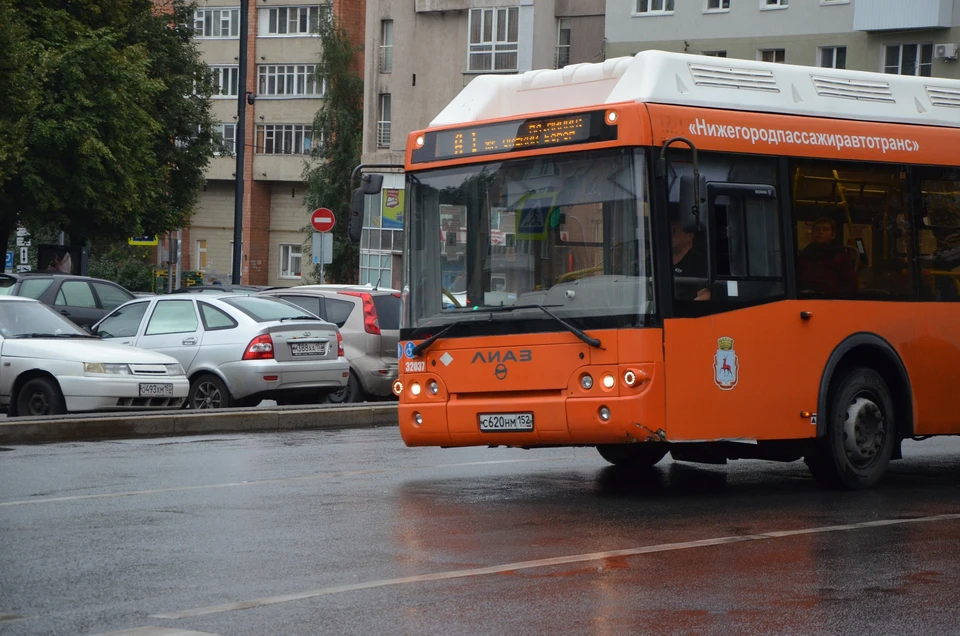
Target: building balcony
{"points": [[222, 168], [896, 15], [278, 167], [426, 6]]}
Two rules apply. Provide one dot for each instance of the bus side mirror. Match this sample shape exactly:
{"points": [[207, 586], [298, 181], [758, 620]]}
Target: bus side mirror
{"points": [[355, 222], [371, 183], [689, 221]]}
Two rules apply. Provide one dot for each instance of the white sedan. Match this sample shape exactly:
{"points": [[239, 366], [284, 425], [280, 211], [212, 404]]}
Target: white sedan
{"points": [[48, 366]]}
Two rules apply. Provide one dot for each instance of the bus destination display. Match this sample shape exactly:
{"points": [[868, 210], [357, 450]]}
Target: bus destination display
{"points": [[512, 136]]}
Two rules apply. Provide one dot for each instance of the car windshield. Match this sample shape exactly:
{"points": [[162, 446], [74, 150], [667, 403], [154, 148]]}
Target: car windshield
{"points": [[566, 231], [263, 309], [24, 318]]}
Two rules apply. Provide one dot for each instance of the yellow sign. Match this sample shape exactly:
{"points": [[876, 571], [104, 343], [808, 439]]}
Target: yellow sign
{"points": [[144, 240], [392, 209]]}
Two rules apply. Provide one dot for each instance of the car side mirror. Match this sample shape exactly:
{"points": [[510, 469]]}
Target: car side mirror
{"points": [[88, 329], [355, 222]]}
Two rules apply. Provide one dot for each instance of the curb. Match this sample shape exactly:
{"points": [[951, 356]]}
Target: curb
{"points": [[100, 426]]}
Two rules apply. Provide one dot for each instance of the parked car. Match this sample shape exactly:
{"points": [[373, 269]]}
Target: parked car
{"points": [[221, 289], [369, 320], [51, 367], [237, 349], [83, 300]]}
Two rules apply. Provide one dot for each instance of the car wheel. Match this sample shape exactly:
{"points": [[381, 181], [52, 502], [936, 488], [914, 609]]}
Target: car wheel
{"points": [[41, 396], [860, 435], [353, 392], [208, 392], [637, 456]]}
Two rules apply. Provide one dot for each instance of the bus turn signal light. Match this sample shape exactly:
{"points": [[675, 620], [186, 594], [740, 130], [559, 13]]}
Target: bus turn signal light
{"points": [[635, 378], [397, 388]]}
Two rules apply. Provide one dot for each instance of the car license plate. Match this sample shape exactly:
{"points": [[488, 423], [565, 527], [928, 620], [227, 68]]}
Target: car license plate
{"points": [[156, 390], [506, 422], [308, 348]]}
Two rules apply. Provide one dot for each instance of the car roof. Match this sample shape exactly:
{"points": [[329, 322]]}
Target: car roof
{"points": [[338, 288], [53, 274], [17, 299]]}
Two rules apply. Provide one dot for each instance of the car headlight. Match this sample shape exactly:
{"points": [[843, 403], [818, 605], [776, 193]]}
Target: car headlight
{"points": [[174, 369], [103, 368]]}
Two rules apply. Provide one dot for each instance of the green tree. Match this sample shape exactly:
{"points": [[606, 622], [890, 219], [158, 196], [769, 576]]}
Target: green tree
{"points": [[339, 127], [116, 143], [18, 90]]}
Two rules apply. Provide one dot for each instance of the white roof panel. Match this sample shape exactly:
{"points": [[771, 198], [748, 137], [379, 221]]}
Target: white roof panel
{"points": [[724, 83]]}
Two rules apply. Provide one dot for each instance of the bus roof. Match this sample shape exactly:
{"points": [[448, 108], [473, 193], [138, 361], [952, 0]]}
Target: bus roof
{"points": [[722, 83]]}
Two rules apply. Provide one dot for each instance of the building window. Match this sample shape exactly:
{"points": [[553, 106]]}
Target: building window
{"points": [[563, 41], [773, 55], [383, 123], [290, 21], [715, 53], [216, 23], [228, 133], [284, 139], [909, 59], [226, 81], [290, 80], [774, 4], [494, 39], [718, 5], [201, 256], [386, 46], [833, 57], [654, 7], [290, 260]]}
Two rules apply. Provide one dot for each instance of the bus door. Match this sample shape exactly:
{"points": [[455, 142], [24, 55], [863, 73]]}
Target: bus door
{"points": [[735, 360]]}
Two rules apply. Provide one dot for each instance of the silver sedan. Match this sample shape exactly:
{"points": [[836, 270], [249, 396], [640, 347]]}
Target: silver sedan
{"points": [[237, 349]]}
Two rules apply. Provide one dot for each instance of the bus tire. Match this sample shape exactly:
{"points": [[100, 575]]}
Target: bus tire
{"points": [[637, 456], [861, 433]]}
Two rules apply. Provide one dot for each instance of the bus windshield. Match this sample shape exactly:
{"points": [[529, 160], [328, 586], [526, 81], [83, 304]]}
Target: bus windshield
{"points": [[495, 242]]}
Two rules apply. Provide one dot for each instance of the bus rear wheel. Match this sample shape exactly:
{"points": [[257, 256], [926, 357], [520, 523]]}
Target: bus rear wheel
{"points": [[637, 456], [860, 435]]}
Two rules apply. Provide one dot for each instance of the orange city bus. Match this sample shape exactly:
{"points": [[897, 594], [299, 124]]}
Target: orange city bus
{"points": [[714, 258]]}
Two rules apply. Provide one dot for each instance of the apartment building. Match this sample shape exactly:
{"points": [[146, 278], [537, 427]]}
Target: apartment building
{"points": [[282, 52], [420, 54], [919, 37]]}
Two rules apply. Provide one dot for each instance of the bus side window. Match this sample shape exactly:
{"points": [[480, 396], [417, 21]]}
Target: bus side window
{"points": [[940, 239]]}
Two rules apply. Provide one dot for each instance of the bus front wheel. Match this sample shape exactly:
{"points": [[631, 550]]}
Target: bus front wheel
{"points": [[860, 435], [632, 455]]}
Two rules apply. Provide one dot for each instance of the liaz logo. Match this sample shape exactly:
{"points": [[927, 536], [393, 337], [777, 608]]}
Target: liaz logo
{"points": [[523, 355]]}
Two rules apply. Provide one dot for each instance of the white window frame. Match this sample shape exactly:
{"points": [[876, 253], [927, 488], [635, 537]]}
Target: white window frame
{"points": [[760, 53], [917, 66], [226, 81], [827, 3], [563, 50], [290, 81], [284, 139], [276, 22], [835, 50], [653, 7], [201, 254], [386, 46], [774, 5], [232, 20], [227, 131], [721, 6], [714, 53], [493, 41], [287, 258], [384, 113]]}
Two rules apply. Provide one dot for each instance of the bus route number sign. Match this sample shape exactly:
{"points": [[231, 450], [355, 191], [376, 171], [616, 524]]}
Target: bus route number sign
{"points": [[514, 136]]}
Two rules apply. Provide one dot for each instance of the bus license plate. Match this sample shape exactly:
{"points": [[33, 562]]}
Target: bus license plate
{"points": [[308, 348], [156, 390], [491, 422]]}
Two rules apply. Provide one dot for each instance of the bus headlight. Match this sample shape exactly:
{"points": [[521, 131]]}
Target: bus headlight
{"points": [[415, 389], [608, 381], [586, 381], [433, 387]]}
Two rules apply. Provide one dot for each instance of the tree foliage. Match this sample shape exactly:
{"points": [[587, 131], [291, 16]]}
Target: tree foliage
{"points": [[115, 143], [339, 126]]}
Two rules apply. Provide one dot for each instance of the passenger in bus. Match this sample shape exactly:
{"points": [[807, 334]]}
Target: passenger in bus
{"points": [[825, 266], [688, 261]]}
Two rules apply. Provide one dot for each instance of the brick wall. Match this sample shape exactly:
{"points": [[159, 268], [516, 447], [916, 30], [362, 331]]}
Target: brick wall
{"points": [[353, 17]]}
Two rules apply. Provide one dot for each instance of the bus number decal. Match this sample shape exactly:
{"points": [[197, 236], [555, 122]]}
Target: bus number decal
{"points": [[413, 367]]}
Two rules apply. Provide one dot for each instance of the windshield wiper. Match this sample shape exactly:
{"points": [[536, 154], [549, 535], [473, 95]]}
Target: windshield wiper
{"points": [[52, 335], [590, 340], [420, 348]]}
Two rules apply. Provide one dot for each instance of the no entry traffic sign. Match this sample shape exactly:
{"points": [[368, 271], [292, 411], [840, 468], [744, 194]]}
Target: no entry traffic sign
{"points": [[322, 220]]}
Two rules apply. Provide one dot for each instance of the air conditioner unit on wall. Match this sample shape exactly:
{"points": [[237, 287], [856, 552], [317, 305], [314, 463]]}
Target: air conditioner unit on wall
{"points": [[945, 51]]}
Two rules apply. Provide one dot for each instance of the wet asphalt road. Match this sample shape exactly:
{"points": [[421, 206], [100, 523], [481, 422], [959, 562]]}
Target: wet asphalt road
{"points": [[332, 533]]}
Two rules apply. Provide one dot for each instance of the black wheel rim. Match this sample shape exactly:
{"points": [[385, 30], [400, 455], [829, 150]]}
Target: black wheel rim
{"points": [[38, 403]]}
